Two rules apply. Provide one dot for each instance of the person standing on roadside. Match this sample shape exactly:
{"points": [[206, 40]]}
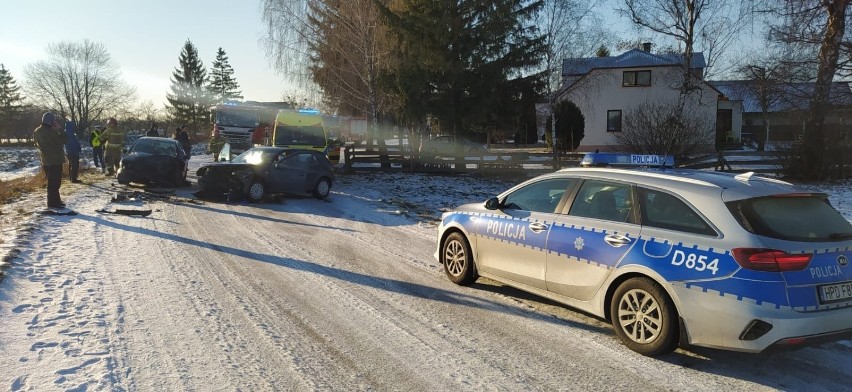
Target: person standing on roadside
{"points": [[72, 150], [97, 147], [50, 140], [113, 139], [153, 132], [183, 138]]}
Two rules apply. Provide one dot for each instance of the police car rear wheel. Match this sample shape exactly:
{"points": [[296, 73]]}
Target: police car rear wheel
{"points": [[644, 317], [458, 260]]}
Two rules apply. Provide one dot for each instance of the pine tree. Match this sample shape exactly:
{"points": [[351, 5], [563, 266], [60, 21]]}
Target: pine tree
{"points": [[222, 86], [473, 57], [189, 102], [10, 101]]}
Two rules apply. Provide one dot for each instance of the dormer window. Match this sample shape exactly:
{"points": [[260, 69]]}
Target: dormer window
{"points": [[636, 78]]}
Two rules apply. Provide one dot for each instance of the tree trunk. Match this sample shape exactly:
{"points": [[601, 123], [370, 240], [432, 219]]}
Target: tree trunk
{"points": [[813, 157]]}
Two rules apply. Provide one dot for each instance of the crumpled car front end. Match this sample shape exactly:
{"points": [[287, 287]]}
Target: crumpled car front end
{"points": [[224, 178], [144, 168]]}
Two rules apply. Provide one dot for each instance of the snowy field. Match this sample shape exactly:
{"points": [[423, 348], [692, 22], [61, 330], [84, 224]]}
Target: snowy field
{"points": [[315, 295]]}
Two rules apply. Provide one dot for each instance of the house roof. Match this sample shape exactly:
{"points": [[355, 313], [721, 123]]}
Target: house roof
{"points": [[633, 58], [782, 96]]}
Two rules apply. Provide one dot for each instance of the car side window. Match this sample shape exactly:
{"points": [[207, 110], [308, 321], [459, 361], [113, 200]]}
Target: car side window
{"points": [[666, 211], [604, 200], [298, 161], [542, 196]]}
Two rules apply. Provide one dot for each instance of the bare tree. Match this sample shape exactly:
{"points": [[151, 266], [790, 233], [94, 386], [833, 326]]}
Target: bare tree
{"points": [[348, 55], [288, 38], [765, 81], [811, 24], [571, 29], [709, 25], [79, 80], [663, 128]]}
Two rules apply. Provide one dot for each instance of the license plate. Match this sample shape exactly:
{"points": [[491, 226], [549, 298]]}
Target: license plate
{"points": [[835, 292]]}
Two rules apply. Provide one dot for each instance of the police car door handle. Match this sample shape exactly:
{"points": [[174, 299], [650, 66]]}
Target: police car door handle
{"points": [[537, 227], [616, 240]]}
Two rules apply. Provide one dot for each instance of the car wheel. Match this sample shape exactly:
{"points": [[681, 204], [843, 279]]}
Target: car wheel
{"points": [[458, 260], [256, 191], [322, 188], [644, 317]]}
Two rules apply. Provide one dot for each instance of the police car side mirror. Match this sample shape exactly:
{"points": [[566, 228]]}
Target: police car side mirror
{"points": [[492, 204]]}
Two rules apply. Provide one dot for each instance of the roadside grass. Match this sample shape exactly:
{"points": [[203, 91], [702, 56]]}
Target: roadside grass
{"points": [[15, 189]]}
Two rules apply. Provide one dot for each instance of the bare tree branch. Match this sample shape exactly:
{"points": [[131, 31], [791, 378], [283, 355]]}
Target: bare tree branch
{"points": [[79, 80]]}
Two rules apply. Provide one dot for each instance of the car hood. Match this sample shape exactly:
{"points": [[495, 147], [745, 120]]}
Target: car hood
{"points": [[226, 167], [142, 155]]}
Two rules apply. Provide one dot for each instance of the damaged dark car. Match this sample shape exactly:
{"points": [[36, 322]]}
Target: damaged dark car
{"points": [[268, 171], [154, 160]]}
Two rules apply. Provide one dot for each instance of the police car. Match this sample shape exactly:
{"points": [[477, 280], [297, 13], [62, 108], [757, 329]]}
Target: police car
{"points": [[669, 256]]}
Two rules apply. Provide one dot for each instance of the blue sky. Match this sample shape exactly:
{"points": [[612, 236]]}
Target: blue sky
{"points": [[144, 38]]}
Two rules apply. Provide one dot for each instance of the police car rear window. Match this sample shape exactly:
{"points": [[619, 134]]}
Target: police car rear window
{"points": [[806, 218]]}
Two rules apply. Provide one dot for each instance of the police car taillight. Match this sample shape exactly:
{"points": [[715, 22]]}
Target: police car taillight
{"points": [[772, 260]]}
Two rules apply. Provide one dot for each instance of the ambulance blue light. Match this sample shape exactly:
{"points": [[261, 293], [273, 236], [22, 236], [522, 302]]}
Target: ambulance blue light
{"points": [[309, 111]]}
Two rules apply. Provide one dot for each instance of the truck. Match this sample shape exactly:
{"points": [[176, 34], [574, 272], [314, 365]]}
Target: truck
{"points": [[245, 124]]}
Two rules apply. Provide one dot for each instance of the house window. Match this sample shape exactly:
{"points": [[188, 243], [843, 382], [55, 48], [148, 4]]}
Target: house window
{"points": [[637, 78], [613, 120]]}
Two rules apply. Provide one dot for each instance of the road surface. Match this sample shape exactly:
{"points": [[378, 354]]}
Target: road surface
{"points": [[305, 294]]}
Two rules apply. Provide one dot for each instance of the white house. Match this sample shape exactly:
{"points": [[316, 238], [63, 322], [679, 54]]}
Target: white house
{"points": [[606, 89]]}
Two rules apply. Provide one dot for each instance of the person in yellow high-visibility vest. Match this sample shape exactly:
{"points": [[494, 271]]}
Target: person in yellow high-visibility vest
{"points": [[114, 143], [97, 147]]}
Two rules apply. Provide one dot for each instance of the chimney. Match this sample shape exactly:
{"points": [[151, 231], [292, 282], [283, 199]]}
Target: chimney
{"points": [[646, 46]]}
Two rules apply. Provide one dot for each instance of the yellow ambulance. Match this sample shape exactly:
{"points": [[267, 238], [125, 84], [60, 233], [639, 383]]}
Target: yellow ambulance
{"points": [[304, 129]]}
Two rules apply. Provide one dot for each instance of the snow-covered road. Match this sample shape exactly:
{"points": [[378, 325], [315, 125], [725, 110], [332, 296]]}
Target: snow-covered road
{"points": [[305, 294]]}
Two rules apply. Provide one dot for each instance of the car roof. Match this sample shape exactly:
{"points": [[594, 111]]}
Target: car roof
{"points": [[157, 139], [735, 186], [281, 149]]}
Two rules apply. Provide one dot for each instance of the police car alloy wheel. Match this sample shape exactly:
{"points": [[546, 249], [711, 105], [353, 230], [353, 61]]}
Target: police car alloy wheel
{"points": [[458, 260], [256, 191], [644, 317]]}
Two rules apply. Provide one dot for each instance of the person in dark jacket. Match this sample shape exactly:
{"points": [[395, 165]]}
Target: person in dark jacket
{"points": [[183, 138], [153, 132], [72, 150], [50, 140]]}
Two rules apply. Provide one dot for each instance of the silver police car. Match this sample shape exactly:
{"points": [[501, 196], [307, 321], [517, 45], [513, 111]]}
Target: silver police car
{"points": [[670, 257]]}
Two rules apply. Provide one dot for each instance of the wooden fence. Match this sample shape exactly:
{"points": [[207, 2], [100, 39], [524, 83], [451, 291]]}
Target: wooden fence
{"points": [[765, 162], [530, 164], [527, 164]]}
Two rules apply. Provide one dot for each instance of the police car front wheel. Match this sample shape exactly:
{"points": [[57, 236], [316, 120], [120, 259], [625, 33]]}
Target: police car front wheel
{"points": [[644, 317], [458, 260]]}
